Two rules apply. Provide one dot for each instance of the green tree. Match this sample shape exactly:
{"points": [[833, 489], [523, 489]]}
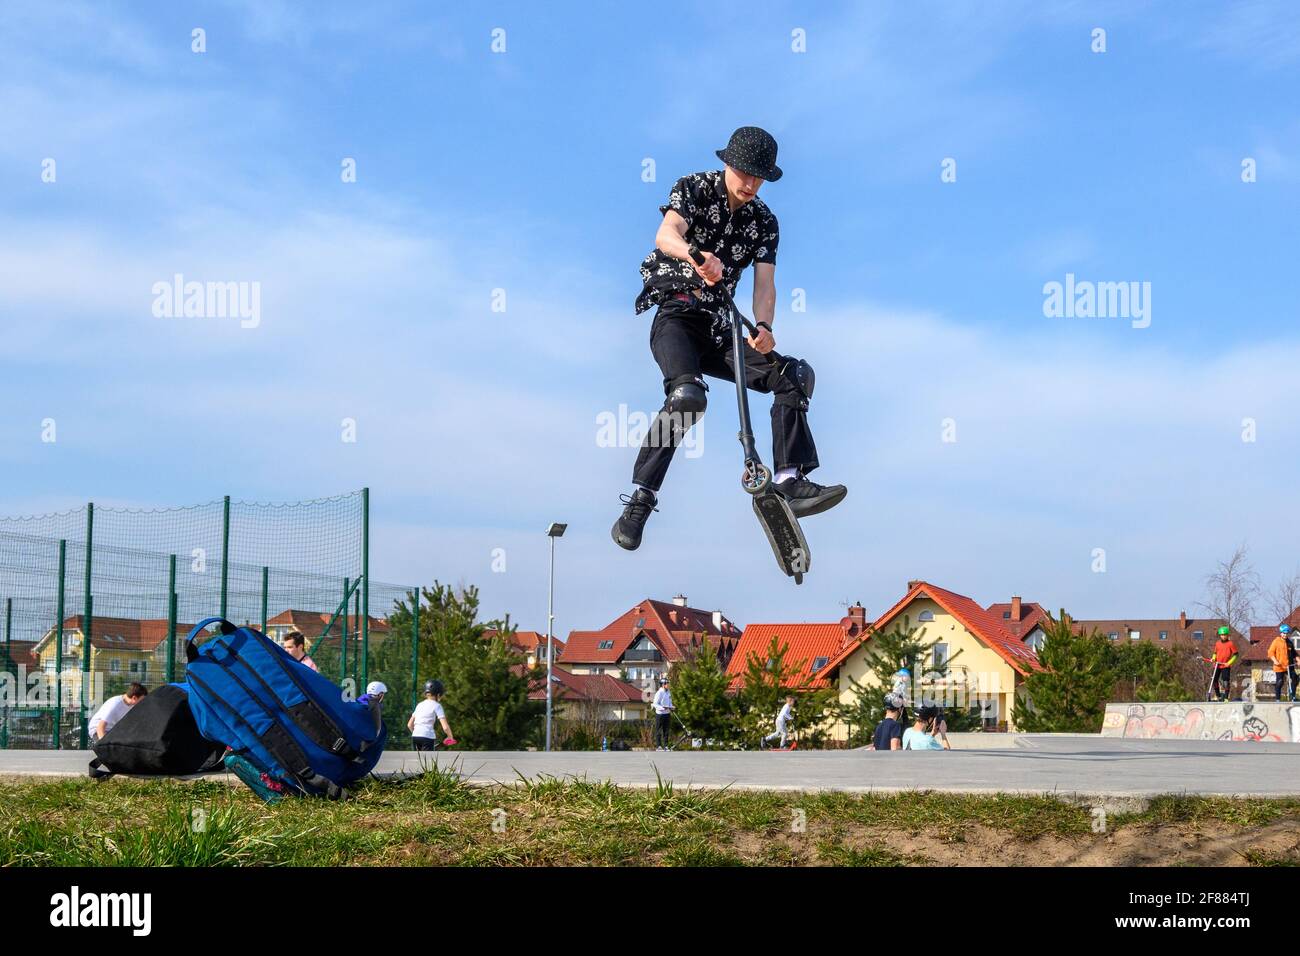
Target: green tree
{"points": [[768, 679], [1147, 672], [487, 682], [1070, 694], [889, 652], [700, 694]]}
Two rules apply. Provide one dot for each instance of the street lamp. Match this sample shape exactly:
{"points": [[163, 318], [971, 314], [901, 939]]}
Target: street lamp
{"points": [[556, 530]]}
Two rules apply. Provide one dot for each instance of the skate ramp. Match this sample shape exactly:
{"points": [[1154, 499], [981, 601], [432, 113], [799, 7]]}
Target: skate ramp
{"points": [[1226, 720]]}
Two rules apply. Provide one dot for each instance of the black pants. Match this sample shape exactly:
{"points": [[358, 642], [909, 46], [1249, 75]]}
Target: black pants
{"points": [[686, 346], [424, 743], [1223, 676], [663, 725], [1295, 677]]}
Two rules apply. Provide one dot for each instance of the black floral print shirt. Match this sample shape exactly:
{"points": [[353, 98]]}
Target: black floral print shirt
{"points": [[738, 238]]}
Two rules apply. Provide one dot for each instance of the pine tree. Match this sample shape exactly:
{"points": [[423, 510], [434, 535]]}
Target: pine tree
{"points": [[699, 688], [487, 685], [1070, 694], [889, 652], [768, 679]]}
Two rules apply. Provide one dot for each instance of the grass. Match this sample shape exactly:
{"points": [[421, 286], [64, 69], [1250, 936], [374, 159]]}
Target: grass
{"points": [[436, 819]]}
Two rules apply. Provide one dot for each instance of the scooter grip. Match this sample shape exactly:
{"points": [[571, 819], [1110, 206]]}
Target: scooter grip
{"points": [[696, 256]]}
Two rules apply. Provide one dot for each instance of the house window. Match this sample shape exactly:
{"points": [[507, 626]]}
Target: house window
{"points": [[1164, 635], [1198, 635], [605, 646], [1006, 615], [1035, 640], [940, 656], [1134, 635], [925, 616], [115, 666], [819, 663], [1114, 635], [132, 666]]}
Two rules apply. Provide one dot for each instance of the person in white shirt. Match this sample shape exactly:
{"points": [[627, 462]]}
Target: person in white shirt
{"points": [[663, 707], [423, 724], [114, 709], [783, 721]]}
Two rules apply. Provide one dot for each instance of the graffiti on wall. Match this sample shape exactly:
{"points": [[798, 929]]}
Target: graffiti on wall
{"points": [[1238, 721]]}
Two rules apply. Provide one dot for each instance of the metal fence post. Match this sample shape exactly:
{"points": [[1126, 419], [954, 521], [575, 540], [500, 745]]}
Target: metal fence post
{"points": [[365, 585], [87, 622], [343, 644], [266, 588], [415, 650], [225, 551], [58, 646], [171, 619]]}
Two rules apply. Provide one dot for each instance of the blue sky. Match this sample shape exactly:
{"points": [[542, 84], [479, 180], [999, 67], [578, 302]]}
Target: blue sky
{"points": [[522, 171]]}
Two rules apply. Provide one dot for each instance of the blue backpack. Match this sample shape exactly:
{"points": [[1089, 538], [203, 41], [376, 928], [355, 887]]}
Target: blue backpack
{"points": [[284, 718]]}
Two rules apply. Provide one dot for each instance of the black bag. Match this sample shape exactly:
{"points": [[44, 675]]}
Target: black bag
{"points": [[156, 737]]}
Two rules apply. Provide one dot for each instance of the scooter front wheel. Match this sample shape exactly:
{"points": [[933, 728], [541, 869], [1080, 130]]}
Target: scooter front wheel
{"points": [[756, 479]]}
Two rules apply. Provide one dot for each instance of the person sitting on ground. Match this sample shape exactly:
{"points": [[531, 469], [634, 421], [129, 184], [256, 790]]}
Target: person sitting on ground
{"points": [[920, 736], [114, 709], [783, 721], [294, 643], [889, 732], [423, 724]]}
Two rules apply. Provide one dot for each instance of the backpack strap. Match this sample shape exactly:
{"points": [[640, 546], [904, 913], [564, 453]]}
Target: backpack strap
{"points": [[191, 650], [310, 716], [278, 742]]}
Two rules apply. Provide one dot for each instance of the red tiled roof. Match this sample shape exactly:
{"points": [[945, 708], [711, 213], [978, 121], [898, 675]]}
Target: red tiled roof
{"points": [[983, 625], [528, 641], [670, 627], [24, 653], [1031, 615], [120, 633], [600, 688], [1256, 649], [312, 623], [804, 643]]}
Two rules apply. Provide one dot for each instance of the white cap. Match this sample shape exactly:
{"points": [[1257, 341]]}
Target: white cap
{"points": [[376, 687]]}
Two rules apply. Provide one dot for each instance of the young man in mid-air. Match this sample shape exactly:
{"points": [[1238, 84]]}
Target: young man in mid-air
{"points": [[719, 212]]}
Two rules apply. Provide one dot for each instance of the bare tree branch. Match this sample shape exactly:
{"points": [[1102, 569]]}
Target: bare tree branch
{"points": [[1232, 591]]}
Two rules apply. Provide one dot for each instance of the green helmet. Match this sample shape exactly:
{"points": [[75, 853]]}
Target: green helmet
{"points": [[1225, 631]]}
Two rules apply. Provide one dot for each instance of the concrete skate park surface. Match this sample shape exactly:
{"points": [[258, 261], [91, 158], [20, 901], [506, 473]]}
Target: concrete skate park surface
{"points": [[1236, 720], [1088, 767]]}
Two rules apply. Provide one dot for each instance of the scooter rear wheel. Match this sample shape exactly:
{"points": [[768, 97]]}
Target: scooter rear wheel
{"points": [[756, 478]]}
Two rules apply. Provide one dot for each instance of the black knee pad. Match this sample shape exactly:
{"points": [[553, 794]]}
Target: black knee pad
{"points": [[792, 383], [688, 398]]}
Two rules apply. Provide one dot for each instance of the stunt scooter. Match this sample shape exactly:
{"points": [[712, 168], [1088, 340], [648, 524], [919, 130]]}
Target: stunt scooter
{"points": [[774, 514]]}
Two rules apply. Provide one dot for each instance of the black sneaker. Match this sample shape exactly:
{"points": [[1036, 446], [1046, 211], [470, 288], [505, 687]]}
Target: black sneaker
{"points": [[627, 529], [809, 498]]}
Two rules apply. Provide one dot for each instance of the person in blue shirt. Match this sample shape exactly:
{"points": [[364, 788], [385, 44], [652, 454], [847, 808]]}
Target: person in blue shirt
{"points": [[921, 735]]}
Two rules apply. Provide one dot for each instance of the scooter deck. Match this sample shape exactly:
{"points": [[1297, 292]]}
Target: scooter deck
{"points": [[784, 534]]}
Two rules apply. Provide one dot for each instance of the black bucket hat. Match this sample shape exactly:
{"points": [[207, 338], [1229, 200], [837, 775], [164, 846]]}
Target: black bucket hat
{"points": [[752, 150]]}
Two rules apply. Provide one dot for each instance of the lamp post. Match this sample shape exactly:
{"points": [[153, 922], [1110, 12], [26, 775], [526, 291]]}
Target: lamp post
{"points": [[556, 530]]}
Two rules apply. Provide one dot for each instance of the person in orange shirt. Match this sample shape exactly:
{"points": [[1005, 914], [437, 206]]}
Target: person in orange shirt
{"points": [[1279, 652], [1225, 655]]}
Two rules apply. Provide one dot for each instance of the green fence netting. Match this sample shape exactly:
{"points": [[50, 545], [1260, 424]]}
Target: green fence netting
{"points": [[138, 580]]}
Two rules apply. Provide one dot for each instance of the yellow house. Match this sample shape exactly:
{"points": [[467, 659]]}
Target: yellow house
{"points": [[122, 650], [992, 665]]}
